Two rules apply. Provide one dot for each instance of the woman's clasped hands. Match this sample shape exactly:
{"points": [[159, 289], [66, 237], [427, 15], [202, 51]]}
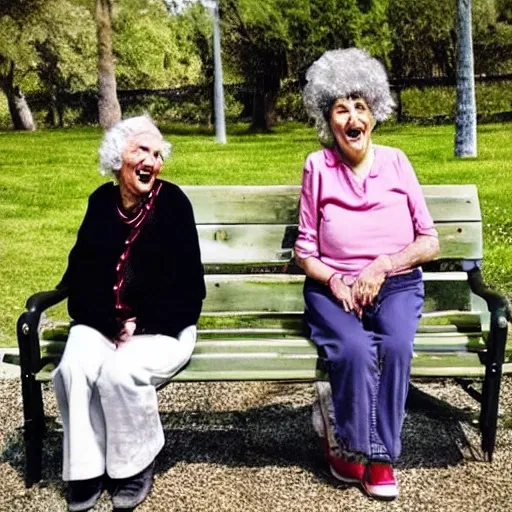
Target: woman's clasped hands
{"points": [[355, 294]]}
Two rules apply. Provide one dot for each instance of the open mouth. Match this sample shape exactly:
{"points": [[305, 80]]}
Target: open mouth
{"points": [[144, 176], [354, 133]]}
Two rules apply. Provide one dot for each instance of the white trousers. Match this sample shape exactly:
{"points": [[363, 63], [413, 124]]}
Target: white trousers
{"points": [[108, 402]]}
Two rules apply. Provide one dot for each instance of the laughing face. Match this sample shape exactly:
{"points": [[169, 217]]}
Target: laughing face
{"points": [[351, 124], [142, 162]]}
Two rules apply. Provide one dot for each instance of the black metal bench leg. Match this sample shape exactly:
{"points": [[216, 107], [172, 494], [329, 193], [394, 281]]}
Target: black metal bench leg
{"points": [[33, 408], [33, 429], [492, 382]]}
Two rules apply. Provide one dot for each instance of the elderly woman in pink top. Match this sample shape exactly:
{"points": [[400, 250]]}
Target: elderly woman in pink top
{"points": [[364, 230]]}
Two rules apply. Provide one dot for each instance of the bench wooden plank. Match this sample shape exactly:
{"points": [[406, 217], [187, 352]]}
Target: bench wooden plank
{"points": [[283, 293], [279, 204], [271, 243], [269, 324], [444, 321], [231, 369]]}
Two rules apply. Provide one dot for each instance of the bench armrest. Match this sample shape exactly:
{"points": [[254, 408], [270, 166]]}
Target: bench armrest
{"points": [[41, 301], [500, 316], [28, 325], [497, 303]]}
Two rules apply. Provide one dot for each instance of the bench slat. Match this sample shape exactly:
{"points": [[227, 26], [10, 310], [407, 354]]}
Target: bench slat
{"points": [[443, 321], [278, 204], [283, 293], [273, 243], [52, 333], [254, 341], [424, 365]]}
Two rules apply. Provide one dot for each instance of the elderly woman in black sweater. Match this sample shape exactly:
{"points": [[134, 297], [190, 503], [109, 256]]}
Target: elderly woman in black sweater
{"points": [[136, 287]]}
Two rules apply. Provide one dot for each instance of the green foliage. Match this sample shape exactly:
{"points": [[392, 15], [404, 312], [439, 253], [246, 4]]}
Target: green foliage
{"points": [[504, 11], [196, 22], [429, 102], [67, 54], [376, 32], [49, 47], [284, 37], [151, 52], [289, 105], [255, 40], [423, 37], [19, 8], [195, 110]]}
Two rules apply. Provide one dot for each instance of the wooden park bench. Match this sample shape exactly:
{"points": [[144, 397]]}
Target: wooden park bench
{"points": [[251, 326]]}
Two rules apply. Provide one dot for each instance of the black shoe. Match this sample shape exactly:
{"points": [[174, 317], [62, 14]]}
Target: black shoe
{"points": [[83, 494], [132, 491]]}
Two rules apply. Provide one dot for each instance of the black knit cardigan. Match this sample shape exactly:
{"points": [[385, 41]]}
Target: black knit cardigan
{"points": [[163, 278]]}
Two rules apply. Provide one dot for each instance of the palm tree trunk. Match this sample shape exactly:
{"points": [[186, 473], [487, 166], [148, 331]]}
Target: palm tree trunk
{"points": [[109, 109], [465, 120]]}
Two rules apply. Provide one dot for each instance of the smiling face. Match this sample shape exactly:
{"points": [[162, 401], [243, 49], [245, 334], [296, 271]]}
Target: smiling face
{"points": [[142, 162], [351, 123]]}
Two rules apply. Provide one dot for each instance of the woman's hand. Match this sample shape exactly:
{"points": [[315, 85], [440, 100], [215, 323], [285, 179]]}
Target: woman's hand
{"points": [[368, 283], [341, 292], [126, 331]]}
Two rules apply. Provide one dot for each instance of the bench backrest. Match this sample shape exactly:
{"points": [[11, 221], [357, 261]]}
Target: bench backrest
{"points": [[251, 327], [247, 235]]}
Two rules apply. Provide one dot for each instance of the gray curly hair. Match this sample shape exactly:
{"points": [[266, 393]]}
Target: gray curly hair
{"points": [[340, 74], [115, 140]]}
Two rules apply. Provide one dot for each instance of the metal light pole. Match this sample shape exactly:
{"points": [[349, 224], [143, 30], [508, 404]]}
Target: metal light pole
{"points": [[465, 121], [218, 89]]}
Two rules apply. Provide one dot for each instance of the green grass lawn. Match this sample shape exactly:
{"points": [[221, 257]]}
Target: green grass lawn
{"points": [[45, 178]]}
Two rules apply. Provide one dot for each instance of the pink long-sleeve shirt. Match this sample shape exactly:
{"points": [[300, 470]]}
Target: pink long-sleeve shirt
{"points": [[347, 224]]}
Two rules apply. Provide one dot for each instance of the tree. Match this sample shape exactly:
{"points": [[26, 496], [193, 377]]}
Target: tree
{"points": [[46, 46], [154, 49], [66, 55], [255, 42], [17, 30], [423, 38], [492, 36], [465, 121], [109, 109], [270, 40], [196, 21]]}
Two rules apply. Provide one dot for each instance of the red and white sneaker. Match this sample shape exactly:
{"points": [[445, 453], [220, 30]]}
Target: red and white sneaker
{"points": [[379, 481], [348, 472], [342, 469]]}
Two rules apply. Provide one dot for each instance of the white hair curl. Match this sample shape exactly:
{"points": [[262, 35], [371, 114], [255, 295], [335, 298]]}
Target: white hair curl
{"points": [[340, 74], [115, 140]]}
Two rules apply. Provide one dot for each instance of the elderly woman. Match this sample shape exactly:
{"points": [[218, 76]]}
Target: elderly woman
{"points": [[136, 287], [364, 230]]}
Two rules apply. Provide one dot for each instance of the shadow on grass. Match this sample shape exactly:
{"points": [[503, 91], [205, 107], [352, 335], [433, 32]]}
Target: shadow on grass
{"points": [[275, 435]]}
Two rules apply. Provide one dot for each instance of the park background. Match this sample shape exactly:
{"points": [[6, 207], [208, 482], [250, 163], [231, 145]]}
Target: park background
{"points": [[243, 446]]}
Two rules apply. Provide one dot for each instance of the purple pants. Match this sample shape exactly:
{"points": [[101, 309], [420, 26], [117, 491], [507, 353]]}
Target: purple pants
{"points": [[368, 360]]}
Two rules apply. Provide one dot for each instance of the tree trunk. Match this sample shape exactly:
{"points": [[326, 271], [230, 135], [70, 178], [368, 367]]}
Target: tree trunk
{"points": [[259, 123], [109, 110], [21, 114], [465, 120], [263, 110]]}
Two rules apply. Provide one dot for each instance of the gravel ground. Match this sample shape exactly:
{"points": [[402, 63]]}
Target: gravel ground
{"points": [[251, 447]]}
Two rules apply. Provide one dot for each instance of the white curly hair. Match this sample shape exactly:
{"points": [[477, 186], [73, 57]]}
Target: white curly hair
{"points": [[115, 140], [341, 74]]}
